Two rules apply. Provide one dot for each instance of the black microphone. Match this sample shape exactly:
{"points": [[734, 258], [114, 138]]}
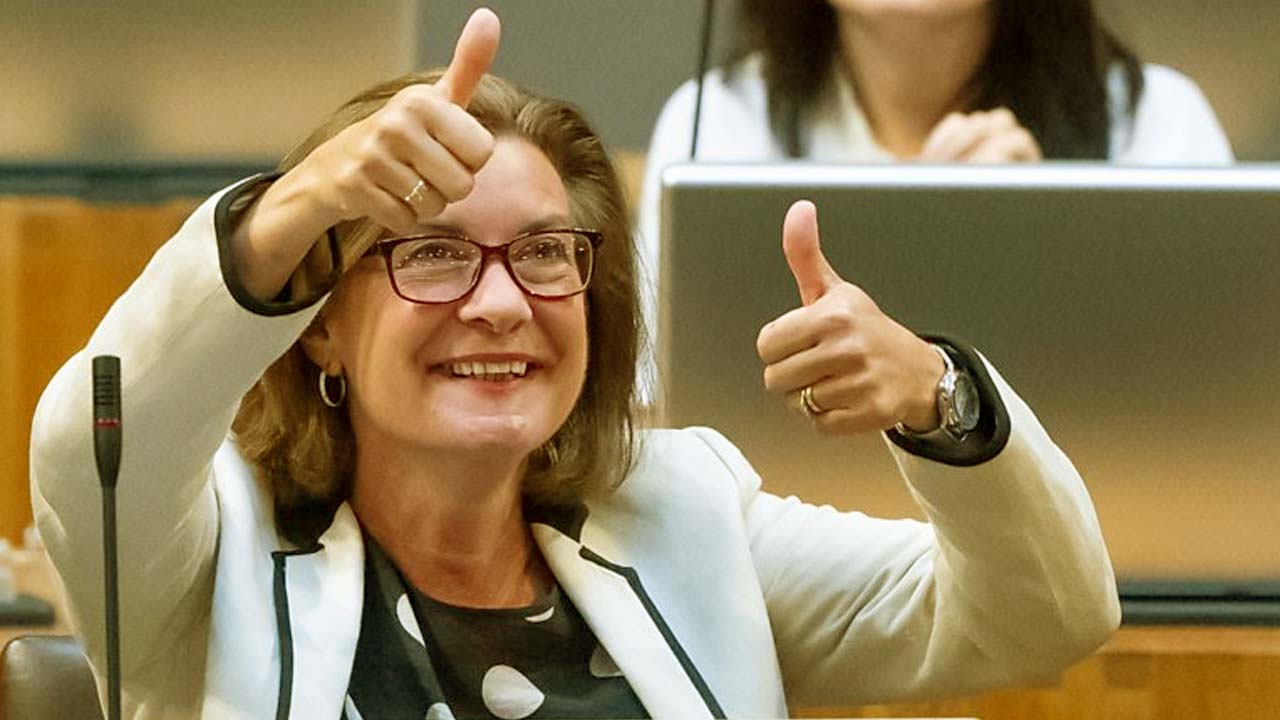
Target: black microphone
{"points": [[107, 431], [106, 418], [704, 50]]}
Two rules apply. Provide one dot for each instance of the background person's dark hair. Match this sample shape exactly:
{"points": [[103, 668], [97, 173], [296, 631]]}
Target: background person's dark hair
{"points": [[1048, 63]]}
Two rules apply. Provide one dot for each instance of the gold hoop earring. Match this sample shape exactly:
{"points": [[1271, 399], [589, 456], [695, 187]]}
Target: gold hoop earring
{"points": [[324, 389]]}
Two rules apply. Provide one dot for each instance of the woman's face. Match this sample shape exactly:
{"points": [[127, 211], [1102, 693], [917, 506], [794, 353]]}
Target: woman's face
{"points": [[410, 368]]}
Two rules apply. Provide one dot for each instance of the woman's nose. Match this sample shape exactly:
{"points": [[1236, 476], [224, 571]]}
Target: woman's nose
{"points": [[496, 301]]}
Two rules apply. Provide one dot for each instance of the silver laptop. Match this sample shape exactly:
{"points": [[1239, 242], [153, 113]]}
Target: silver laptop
{"points": [[1136, 310]]}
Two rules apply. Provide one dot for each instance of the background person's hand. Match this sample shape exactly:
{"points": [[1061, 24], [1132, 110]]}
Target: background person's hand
{"points": [[867, 371], [981, 137]]}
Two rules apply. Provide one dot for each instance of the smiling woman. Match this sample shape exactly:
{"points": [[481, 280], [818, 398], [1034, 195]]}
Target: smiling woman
{"points": [[593, 447], [311, 472], [418, 408], [380, 458]]}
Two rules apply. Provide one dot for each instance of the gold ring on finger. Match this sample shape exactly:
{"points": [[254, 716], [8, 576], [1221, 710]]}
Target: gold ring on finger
{"points": [[808, 405], [417, 194]]}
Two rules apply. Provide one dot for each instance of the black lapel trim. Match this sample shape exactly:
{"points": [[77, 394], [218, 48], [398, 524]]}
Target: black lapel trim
{"points": [[284, 628], [633, 579], [566, 519], [225, 215]]}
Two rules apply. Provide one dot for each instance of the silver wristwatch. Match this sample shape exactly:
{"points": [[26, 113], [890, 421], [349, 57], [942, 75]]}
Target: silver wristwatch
{"points": [[958, 402]]}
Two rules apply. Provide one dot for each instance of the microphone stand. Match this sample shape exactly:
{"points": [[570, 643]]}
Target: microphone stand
{"points": [[106, 453], [704, 50]]}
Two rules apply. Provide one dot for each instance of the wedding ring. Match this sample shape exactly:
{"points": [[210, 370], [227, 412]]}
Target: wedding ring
{"points": [[417, 194], [808, 405]]}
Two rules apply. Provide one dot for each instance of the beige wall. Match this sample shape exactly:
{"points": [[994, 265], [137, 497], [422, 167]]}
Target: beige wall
{"points": [[133, 80], [1229, 47], [241, 79]]}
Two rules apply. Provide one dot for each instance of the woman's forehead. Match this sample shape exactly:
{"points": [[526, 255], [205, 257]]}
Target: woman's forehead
{"points": [[517, 190]]}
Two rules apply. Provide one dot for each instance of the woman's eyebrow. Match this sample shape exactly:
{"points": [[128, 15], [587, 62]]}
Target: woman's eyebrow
{"points": [[550, 221], [555, 220]]}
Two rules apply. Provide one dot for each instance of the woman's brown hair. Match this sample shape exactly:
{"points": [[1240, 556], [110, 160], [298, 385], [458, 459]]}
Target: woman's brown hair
{"points": [[305, 450], [1049, 62]]}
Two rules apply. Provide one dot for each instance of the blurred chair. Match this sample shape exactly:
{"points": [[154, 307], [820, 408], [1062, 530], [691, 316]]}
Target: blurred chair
{"points": [[46, 677]]}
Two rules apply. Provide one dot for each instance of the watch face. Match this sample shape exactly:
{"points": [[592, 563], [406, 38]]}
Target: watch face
{"points": [[966, 402]]}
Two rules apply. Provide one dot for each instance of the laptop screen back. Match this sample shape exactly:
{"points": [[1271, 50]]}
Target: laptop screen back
{"points": [[1136, 310]]}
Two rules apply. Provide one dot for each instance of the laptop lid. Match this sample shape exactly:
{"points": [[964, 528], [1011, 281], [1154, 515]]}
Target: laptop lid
{"points": [[1136, 310]]}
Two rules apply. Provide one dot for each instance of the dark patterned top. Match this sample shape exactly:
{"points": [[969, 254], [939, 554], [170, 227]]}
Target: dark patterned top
{"points": [[417, 657]]}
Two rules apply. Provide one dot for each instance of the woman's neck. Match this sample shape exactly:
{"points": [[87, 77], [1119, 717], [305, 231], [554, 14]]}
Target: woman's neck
{"points": [[910, 71], [456, 530]]}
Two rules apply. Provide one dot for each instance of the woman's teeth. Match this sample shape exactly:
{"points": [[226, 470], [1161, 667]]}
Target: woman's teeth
{"points": [[490, 370]]}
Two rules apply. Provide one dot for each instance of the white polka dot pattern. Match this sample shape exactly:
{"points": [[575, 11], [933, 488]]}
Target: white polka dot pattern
{"points": [[508, 694], [542, 616], [404, 613], [439, 711], [602, 664]]}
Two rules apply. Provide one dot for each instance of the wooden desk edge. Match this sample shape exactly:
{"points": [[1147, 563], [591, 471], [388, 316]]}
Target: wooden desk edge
{"points": [[1193, 640]]}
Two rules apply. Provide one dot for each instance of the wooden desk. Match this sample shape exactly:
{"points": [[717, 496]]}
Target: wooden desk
{"points": [[1141, 673], [1162, 640]]}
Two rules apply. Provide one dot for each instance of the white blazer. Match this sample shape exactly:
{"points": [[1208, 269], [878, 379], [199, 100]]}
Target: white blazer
{"points": [[714, 597]]}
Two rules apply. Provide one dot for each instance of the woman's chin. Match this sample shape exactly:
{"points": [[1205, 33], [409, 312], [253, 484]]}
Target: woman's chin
{"points": [[496, 433]]}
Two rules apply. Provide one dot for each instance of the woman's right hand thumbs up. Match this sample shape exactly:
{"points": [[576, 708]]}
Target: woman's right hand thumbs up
{"points": [[399, 166]]}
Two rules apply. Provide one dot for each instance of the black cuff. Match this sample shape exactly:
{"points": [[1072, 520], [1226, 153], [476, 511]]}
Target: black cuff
{"points": [[992, 434], [225, 216]]}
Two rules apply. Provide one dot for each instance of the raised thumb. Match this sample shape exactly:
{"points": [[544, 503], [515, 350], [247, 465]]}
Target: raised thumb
{"points": [[477, 46], [813, 274]]}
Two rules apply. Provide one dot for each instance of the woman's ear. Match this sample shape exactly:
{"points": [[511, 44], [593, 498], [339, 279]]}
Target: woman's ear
{"points": [[317, 344]]}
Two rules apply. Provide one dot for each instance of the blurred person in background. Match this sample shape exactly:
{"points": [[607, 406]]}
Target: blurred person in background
{"points": [[937, 81]]}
